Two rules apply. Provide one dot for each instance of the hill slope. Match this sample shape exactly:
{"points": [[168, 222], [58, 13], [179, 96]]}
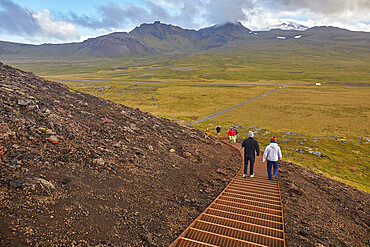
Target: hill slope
{"points": [[319, 211], [79, 169]]}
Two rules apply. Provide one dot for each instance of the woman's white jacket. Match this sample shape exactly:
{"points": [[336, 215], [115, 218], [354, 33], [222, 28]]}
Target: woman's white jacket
{"points": [[272, 152]]}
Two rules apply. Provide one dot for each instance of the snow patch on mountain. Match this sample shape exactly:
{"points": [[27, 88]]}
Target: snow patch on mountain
{"points": [[290, 26]]}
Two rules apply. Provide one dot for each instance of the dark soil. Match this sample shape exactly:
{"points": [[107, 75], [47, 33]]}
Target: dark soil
{"points": [[79, 170], [319, 211]]}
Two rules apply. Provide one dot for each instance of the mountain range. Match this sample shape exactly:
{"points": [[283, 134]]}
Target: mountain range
{"points": [[160, 38]]}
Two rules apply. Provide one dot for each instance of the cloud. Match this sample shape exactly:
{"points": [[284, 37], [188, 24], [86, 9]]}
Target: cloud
{"points": [[335, 10], [15, 20], [186, 13], [46, 26], [223, 11], [113, 16], [34, 26], [194, 14], [51, 29], [349, 15]]}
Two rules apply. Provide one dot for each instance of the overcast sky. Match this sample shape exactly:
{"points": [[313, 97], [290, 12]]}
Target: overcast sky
{"points": [[58, 21]]}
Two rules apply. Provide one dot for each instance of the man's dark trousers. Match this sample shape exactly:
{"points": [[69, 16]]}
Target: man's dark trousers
{"points": [[251, 164]]}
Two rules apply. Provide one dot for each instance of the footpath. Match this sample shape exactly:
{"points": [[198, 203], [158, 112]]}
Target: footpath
{"points": [[248, 212]]}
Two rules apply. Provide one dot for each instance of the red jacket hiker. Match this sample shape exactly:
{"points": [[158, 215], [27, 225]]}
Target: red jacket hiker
{"points": [[231, 134]]}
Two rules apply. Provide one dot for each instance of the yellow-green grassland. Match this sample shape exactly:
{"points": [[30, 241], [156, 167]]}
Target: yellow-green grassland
{"points": [[331, 120], [306, 119]]}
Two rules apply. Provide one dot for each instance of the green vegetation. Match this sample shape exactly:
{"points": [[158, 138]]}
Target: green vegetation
{"points": [[331, 120], [183, 103], [334, 121]]}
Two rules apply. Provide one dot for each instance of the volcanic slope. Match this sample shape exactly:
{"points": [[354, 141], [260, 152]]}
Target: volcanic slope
{"points": [[77, 169]]}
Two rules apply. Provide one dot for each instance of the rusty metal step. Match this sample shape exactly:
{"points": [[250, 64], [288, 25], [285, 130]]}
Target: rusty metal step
{"points": [[254, 214], [252, 202], [245, 218], [256, 185], [217, 239], [249, 207], [185, 242], [254, 189], [242, 225], [260, 181], [254, 194], [236, 233], [250, 197]]}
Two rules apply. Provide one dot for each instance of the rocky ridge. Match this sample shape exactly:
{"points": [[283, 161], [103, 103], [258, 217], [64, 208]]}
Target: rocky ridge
{"points": [[79, 170]]}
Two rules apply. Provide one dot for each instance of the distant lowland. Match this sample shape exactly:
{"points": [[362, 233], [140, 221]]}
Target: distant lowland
{"points": [[161, 39]]}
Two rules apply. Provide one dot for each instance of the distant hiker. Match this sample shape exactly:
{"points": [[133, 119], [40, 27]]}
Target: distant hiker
{"points": [[236, 133], [251, 147], [218, 130], [272, 154], [231, 134], [207, 131]]}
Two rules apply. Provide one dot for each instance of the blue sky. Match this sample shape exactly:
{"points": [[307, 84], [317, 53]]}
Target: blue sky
{"points": [[59, 21]]}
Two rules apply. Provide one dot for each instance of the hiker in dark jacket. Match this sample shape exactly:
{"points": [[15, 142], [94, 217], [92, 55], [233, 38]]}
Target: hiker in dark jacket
{"points": [[218, 130], [251, 147]]}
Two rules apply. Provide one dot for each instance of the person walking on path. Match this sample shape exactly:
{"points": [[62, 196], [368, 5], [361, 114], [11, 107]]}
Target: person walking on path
{"points": [[218, 130], [236, 133], [207, 131], [273, 155], [251, 148], [231, 134]]}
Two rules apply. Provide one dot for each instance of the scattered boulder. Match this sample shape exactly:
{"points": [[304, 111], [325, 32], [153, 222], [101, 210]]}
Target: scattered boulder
{"points": [[221, 171], [23, 102], [99, 161], [303, 233], [294, 189], [147, 238], [53, 139], [5, 132], [2, 152], [106, 120], [187, 154]]}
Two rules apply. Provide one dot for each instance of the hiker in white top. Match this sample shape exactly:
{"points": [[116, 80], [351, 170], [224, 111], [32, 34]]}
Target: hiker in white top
{"points": [[273, 155]]}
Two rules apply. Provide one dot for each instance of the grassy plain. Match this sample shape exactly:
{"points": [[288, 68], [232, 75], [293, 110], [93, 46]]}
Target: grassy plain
{"points": [[183, 103], [332, 120]]}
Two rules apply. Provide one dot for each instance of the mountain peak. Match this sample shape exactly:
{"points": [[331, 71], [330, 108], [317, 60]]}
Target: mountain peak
{"points": [[237, 24], [290, 26], [228, 28]]}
